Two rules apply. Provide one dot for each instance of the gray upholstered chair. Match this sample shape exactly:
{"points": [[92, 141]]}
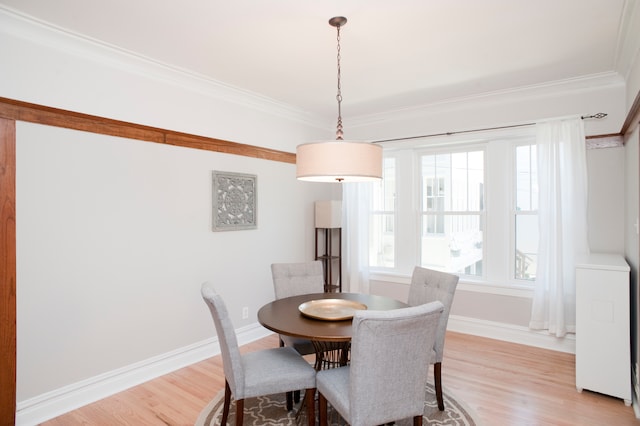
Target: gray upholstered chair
{"points": [[428, 285], [389, 367], [293, 279], [258, 373]]}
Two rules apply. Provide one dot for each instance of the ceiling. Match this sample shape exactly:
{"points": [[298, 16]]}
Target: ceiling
{"points": [[394, 54]]}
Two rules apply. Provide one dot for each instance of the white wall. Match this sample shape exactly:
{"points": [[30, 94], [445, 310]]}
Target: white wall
{"points": [[114, 235], [56, 69], [629, 59], [632, 197], [489, 310], [114, 239], [631, 62], [606, 209], [591, 94]]}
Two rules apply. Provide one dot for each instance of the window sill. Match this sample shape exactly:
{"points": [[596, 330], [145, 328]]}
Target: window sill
{"points": [[513, 290]]}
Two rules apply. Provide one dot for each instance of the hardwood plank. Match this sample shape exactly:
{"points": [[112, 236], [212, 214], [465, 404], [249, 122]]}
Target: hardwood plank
{"points": [[504, 383], [7, 271], [632, 114], [218, 145], [34, 113], [510, 384], [23, 111]]}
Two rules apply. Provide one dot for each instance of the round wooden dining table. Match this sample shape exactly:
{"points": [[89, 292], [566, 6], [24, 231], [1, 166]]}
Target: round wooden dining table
{"points": [[283, 316], [331, 338]]}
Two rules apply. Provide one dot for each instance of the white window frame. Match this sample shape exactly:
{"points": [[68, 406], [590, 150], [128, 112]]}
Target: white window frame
{"points": [[418, 178], [498, 218], [395, 218], [514, 213]]}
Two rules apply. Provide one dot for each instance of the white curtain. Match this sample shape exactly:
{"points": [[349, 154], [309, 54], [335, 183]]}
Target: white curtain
{"points": [[562, 215], [356, 201]]}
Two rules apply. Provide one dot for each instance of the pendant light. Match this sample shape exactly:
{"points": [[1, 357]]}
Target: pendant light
{"points": [[339, 160]]}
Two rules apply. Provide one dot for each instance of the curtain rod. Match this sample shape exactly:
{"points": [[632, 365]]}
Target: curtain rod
{"points": [[597, 116]]}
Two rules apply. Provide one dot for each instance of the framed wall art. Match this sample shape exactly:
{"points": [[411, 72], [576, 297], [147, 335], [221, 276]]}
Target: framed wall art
{"points": [[234, 201]]}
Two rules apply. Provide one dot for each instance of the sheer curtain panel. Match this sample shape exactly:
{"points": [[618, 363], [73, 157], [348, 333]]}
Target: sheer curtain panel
{"points": [[356, 199], [562, 215]]}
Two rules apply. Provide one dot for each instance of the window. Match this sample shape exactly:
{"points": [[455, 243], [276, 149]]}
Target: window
{"points": [[434, 202], [382, 245], [464, 207], [452, 204], [525, 213]]}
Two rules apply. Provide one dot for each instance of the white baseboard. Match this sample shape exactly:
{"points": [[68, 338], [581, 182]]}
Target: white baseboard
{"points": [[511, 333], [59, 401]]}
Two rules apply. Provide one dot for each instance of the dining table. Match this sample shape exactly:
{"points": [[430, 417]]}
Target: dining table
{"points": [[324, 319]]}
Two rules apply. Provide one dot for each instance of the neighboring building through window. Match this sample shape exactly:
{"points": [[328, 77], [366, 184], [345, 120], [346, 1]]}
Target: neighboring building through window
{"points": [[382, 237], [525, 214], [452, 204]]}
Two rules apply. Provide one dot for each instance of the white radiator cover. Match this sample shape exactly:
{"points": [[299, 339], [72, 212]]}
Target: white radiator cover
{"points": [[603, 349]]}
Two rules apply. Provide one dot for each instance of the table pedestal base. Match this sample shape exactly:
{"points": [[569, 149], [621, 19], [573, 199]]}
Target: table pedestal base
{"points": [[331, 354]]}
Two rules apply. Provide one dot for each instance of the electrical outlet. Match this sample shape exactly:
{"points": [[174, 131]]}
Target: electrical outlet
{"points": [[245, 313]]}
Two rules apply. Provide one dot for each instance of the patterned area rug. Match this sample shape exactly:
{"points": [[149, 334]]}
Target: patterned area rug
{"points": [[270, 410]]}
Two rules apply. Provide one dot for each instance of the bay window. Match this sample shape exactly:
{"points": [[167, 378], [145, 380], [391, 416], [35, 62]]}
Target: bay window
{"points": [[469, 208]]}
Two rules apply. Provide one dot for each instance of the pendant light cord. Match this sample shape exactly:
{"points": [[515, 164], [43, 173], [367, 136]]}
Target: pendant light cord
{"points": [[339, 132]]}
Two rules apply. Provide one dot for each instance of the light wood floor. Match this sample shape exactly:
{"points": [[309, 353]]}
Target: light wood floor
{"points": [[505, 383]]}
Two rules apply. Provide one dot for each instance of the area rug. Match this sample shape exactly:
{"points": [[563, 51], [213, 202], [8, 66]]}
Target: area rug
{"points": [[270, 411]]}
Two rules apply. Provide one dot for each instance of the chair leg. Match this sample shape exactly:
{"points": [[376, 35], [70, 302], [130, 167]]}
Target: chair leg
{"points": [[289, 401], [319, 360], [227, 401], [309, 396], [322, 409], [239, 412], [290, 397], [344, 354], [417, 421], [437, 374]]}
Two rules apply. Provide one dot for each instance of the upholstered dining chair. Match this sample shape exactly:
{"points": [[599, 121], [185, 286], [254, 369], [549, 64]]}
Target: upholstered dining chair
{"points": [[389, 367], [258, 373], [426, 286], [293, 279]]}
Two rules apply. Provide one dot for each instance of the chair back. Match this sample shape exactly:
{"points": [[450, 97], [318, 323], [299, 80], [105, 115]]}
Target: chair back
{"points": [[231, 360], [428, 285], [390, 353], [293, 279]]}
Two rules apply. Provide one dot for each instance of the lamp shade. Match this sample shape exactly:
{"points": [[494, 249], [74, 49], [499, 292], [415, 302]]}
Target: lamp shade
{"points": [[329, 214], [339, 161]]}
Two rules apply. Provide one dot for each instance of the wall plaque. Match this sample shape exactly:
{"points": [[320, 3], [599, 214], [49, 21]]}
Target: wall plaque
{"points": [[234, 201]]}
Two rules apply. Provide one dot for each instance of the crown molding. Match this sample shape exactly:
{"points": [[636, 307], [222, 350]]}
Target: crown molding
{"points": [[628, 45], [43, 33], [500, 97]]}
